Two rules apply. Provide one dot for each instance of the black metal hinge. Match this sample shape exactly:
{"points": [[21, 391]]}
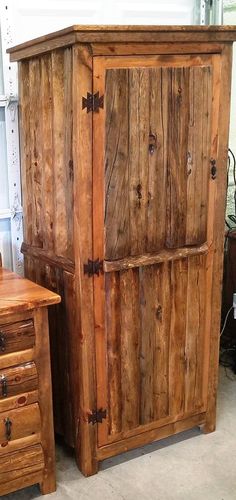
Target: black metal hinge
{"points": [[93, 267], [92, 102], [213, 168], [97, 416]]}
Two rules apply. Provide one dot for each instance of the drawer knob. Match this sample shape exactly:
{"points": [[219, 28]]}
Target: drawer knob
{"points": [[8, 425], [3, 381], [2, 342]]}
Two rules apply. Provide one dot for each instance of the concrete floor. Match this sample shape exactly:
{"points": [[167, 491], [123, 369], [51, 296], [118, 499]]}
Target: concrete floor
{"points": [[191, 466]]}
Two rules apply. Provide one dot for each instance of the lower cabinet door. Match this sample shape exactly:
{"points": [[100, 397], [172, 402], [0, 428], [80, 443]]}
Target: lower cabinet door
{"points": [[19, 427]]}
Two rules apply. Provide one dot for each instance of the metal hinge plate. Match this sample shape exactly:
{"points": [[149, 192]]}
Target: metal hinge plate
{"points": [[93, 267], [97, 416], [92, 102]]}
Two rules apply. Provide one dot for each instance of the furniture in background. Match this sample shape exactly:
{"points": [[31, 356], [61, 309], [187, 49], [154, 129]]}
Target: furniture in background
{"points": [[124, 134], [26, 420]]}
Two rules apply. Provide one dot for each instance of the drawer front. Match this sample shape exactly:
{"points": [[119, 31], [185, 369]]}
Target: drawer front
{"points": [[19, 424], [17, 336], [18, 379], [20, 464]]}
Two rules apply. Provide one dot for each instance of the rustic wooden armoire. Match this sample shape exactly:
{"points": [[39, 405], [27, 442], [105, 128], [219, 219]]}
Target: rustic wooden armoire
{"points": [[124, 135]]}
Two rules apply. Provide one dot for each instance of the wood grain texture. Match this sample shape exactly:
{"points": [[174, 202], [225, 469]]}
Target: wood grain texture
{"points": [[111, 34], [223, 84], [20, 294], [25, 421], [17, 336], [20, 464], [150, 436], [140, 339], [42, 360], [47, 164], [47, 159], [25, 150], [155, 330], [166, 187], [113, 328], [36, 138], [84, 348], [130, 347], [62, 340], [22, 399], [18, 379], [154, 258], [124, 49]]}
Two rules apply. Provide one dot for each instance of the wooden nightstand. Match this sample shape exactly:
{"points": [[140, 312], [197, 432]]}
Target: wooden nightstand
{"points": [[27, 453]]}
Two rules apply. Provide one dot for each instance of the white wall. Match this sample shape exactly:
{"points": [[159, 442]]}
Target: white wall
{"points": [[33, 18]]}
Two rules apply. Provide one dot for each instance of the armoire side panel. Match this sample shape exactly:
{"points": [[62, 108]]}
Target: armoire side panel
{"points": [[46, 152], [62, 335], [48, 201]]}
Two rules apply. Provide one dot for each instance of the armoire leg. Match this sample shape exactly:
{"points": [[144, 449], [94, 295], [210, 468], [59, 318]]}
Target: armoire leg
{"points": [[86, 461], [210, 423]]}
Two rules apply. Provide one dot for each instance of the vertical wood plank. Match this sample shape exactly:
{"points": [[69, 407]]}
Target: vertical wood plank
{"points": [[58, 100], [25, 149], [84, 348], [178, 122], [195, 332], [47, 159], [130, 347], [116, 165], [68, 153], [198, 153], [36, 151], [71, 374], [147, 341], [177, 361], [220, 142], [113, 328], [42, 360], [139, 91], [98, 209], [162, 288], [156, 194]]}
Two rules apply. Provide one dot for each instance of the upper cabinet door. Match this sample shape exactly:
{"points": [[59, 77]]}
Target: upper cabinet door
{"points": [[157, 152]]}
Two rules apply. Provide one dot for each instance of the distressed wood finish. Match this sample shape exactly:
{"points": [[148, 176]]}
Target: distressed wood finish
{"points": [[19, 379], [142, 106], [155, 343], [129, 184], [26, 425]]}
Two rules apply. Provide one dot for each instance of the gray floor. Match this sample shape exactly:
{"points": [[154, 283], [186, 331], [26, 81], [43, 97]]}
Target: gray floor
{"points": [[191, 466]]}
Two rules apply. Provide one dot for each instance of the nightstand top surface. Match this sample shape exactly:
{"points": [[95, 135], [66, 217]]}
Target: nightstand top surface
{"points": [[18, 294]]}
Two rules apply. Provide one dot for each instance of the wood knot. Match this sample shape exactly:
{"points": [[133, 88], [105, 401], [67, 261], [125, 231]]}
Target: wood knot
{"points": [[71, 169], [159, 313], [139, 194]]}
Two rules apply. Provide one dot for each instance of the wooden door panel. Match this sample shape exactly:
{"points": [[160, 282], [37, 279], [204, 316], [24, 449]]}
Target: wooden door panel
{"points": [[153, 196], [155, 330], [156, 198]]}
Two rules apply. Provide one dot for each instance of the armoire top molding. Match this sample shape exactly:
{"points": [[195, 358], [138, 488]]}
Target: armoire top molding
{"points": [[121, 34]]}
